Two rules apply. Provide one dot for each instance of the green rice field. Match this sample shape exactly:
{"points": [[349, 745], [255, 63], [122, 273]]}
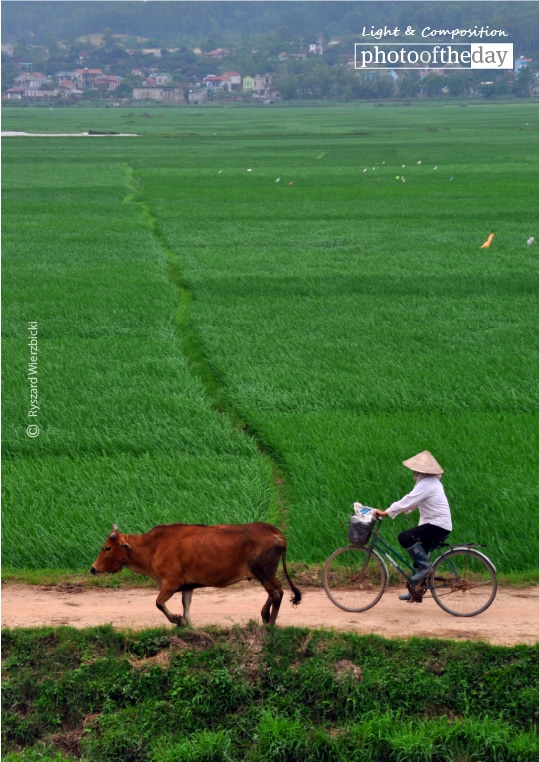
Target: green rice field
{"points": [[251, 314]]}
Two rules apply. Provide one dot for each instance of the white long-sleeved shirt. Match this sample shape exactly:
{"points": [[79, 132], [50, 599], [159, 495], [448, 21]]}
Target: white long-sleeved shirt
{"points": [[428, 495]]}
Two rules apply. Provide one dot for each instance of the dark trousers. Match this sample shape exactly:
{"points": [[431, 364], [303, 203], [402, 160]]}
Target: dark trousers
{"points": [[427, 534]]}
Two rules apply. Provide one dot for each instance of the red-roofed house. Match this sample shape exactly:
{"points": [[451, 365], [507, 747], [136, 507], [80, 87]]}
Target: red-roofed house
{"points": [[230, 80], [15, 93], [108, 82], [30, 81], [218, 54], [213, 82], [234, 79]]}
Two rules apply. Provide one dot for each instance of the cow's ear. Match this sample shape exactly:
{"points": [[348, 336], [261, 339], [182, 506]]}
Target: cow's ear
{"points": [[125, 545], [112, 536]]}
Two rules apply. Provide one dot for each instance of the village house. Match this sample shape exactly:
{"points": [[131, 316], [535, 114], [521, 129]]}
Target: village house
{"points": [[63, 76], [29, 85], [67, 89], [84, 79], [214, 82], [218, 54], [522, 63], [197, 96], [15, 93], [108, 82], [158, 79], [31, 81], [233, 80], [158, 93], [230, 80], [260, 87], [256, 84]]}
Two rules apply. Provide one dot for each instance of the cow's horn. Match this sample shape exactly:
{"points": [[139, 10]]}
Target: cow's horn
{"points": [[114, 528]]}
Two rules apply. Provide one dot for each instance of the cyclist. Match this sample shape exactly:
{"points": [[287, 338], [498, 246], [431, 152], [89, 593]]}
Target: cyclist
{"points": [[434, 517]]}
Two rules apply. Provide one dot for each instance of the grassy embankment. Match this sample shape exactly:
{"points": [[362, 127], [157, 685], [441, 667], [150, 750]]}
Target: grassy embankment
{"points": [[257, 695]]}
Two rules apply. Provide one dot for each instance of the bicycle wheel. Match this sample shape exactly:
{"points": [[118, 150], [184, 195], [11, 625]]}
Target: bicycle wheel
{"points": [[463, 582], [354, 578]]}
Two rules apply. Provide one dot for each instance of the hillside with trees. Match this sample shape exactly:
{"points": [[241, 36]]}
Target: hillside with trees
{"points": [[215, 24], [128, 39]]}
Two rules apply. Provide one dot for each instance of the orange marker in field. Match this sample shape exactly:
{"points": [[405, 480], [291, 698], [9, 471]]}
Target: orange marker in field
{"points": [[487, 243]]}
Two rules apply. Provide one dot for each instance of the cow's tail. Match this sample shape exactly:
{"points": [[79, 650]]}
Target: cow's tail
{"points": [[296, 598]]}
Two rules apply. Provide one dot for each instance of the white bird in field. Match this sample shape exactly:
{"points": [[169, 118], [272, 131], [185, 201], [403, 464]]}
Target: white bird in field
{"points": [[531, 241]]}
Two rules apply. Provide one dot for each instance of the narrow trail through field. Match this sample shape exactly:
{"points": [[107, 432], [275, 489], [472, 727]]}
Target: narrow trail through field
{"points": [[194, 351], [512, 619]]}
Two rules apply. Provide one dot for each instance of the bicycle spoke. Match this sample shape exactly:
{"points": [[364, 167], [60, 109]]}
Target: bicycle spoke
{"points": [[354, 579], [463, 582]]}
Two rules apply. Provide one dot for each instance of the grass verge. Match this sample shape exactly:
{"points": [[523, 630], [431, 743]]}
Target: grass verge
{"points": [[255, 694]]}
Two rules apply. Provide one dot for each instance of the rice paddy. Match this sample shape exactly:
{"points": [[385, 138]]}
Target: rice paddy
{"points": [[223, 345]]}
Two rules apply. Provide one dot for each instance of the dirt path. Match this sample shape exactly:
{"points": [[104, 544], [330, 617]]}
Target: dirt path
{"points": [[513, 618]]}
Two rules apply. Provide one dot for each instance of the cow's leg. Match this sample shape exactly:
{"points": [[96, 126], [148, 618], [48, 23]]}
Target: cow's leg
{"points": [[164, 595], [275, 596], [186, 600], [265, 613]]}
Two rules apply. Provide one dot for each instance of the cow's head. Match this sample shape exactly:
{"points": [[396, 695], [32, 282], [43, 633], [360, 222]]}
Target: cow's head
{"points": [[113, 556]]}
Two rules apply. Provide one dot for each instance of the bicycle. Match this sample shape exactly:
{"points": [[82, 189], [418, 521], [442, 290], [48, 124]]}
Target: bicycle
{"points": [[463, 581]]}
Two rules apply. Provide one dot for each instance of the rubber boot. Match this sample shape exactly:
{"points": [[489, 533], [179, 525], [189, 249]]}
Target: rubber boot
{"points": [[408, 596], [412, 596], [420, 560]]}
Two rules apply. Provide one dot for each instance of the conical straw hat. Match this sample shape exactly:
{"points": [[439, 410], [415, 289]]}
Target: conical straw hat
{"points": [[424, 463]]}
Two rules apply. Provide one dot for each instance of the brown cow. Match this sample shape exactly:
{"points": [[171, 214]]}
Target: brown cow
{"points": [[186, 556]]}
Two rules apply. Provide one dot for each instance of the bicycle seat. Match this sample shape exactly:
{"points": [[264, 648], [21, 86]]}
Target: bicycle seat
{"points": [[438, 545]]}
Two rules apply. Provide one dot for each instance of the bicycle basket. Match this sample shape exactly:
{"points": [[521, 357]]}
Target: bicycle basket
{"points": [[359, 532]]}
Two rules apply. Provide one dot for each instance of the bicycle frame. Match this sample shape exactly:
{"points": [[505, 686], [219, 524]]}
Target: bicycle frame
{"points": [[385, 549]]}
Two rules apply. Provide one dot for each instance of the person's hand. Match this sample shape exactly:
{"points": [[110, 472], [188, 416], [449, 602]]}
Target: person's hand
{"points": [[378, 513]]}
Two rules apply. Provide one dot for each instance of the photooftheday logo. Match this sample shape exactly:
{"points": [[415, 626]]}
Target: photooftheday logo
{"points": [[456, 55]]}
